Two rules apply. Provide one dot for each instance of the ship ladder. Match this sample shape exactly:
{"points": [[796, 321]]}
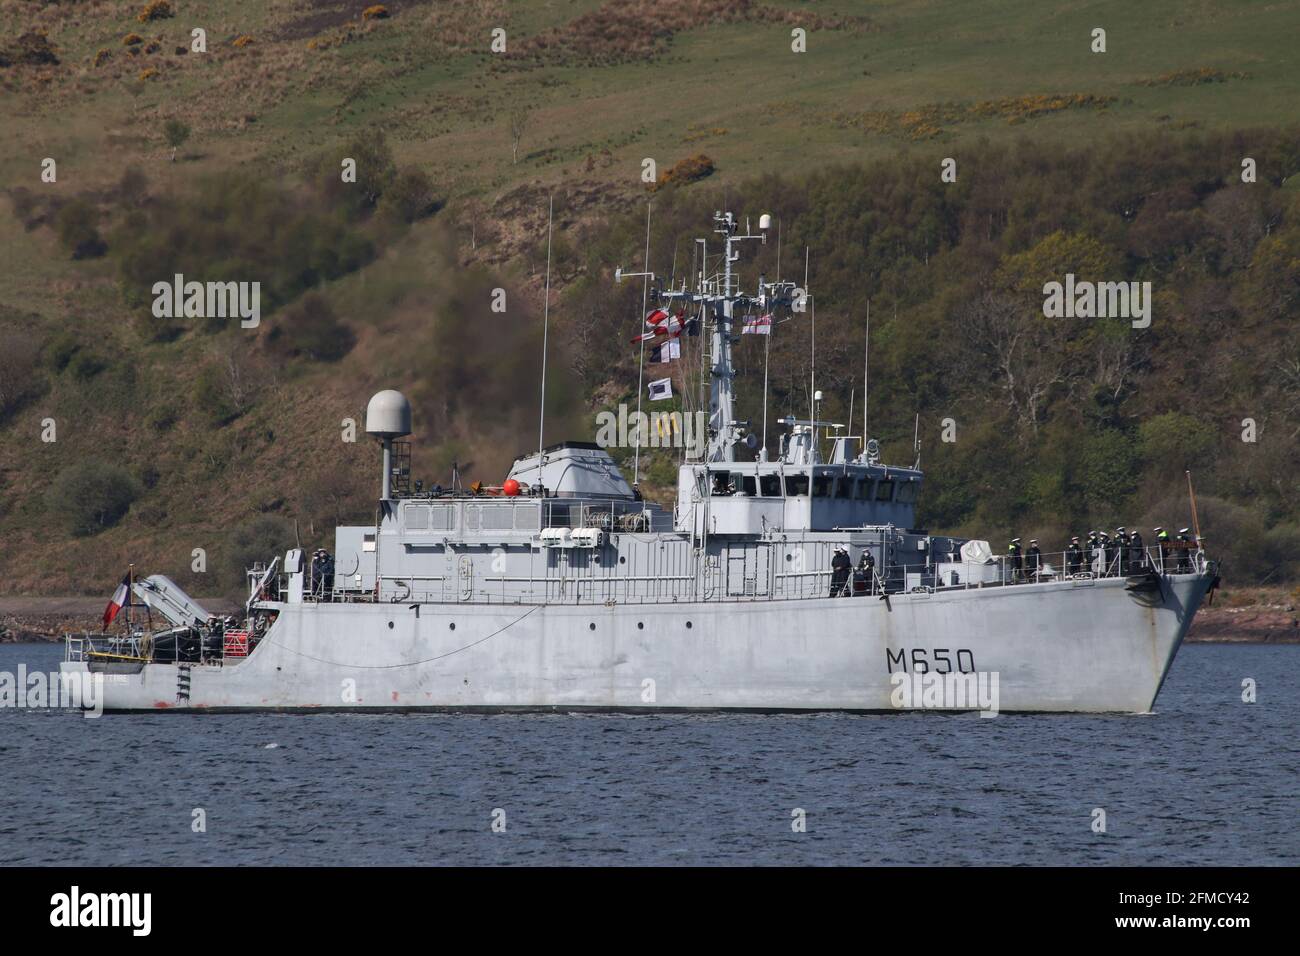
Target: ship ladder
{"points": [[183, 683]]}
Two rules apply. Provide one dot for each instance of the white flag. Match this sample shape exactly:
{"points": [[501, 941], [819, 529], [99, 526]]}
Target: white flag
{"points": [[672, 349], [660, 389]]}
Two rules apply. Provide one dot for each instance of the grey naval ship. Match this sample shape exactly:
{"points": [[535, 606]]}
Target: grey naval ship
{"points": [[563, 589]]}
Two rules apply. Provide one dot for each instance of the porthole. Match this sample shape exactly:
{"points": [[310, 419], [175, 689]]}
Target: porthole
{"points": [[640, 625], [592, 625], [688, 625], [452, 625], [390, 625], [622, 559]]}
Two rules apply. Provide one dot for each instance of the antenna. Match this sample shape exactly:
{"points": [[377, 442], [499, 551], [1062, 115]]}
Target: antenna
{"points": [[812, 365], [546, 325], [916, 441], [640, 368], [866, 381], [1196, 522]]}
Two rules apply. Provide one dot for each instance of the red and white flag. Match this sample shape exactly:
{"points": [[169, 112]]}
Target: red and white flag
{"points": [[118, 601], [758, 325], [660, 322]]}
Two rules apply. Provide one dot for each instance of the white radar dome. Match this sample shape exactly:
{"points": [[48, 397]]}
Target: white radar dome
{"points": [[388, 415]]}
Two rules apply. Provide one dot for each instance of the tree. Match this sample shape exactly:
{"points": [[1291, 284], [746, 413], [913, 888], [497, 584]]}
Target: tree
{"points": [[91, 496], [519, 117], [176, 133]]}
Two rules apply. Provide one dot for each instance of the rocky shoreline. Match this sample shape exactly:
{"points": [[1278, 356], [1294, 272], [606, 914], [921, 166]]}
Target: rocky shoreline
{"points": [[1266, 617]]}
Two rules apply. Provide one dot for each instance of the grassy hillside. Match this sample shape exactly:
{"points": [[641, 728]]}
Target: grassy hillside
{"points": [[184, 435]]}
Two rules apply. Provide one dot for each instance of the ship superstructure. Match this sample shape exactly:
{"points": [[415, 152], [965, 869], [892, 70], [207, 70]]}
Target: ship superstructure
{"points": [[564, 588]]}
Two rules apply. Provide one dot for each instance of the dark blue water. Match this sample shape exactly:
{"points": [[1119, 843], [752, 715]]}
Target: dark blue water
{"points": [[1206, 780]]}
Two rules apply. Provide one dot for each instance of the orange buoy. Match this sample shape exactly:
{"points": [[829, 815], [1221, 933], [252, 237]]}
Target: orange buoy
{"points": [[510, 488]]}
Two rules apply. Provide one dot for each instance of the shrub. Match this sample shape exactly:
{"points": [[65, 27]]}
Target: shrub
{"points": [[689, 170], [102, 56], [156, 10], [411, 195], [377, 12], [242, 41], [148, 74], [132, 39], [60, 349], [312, 329], [213, 397], [91, 496], [77, 225], [85, 365], [19, 379], [175, 133], [31, 49]]}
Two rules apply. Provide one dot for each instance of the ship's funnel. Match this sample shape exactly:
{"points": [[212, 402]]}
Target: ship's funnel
{"points": [[388, 415]]}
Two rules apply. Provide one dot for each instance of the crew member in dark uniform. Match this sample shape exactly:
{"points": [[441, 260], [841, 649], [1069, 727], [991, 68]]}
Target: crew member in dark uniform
{"points": [[840, 568], [1033, 560], [1073, 557], [327, 575], [1137, 555], [1185, 548], [1121, 549], [1017, 565], [864, 580]]}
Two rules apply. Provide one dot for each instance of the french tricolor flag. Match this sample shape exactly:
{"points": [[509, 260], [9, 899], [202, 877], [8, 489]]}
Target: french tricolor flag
{"points": [[118, 601]]}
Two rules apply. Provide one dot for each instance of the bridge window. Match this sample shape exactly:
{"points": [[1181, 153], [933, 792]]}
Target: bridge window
{"points": [[864, 489], [722, 483], [796, 486], [844, 487], [822, 486], [770, 485], [885, 490], [907, 491], [749, 485]]}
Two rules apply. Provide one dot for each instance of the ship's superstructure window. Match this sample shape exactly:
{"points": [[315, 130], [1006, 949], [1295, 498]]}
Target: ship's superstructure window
{"points": [[489, 517], [864, 490], [796, 486], [749, 485], [885, 490], [442, 518], [526, 516], [822, 486], [417, 517], [844, 487], [770, 485], [907, 492]]}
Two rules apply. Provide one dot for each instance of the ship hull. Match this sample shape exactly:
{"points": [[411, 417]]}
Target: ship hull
{"points": [[1094, 647]]}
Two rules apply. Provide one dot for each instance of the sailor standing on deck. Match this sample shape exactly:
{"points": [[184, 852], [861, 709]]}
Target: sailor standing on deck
{"points": [[1137, 555], [1121, 548], [867, 571], [1016, 562], [1033, 560], [1185, 547], [1094, 552], [840, 568], [1162, 539], [1073, 557]]}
